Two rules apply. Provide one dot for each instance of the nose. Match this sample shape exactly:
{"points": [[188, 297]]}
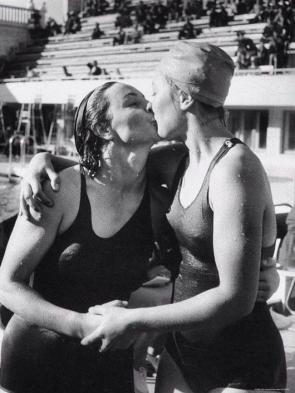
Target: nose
{"points": [[149, 107]]}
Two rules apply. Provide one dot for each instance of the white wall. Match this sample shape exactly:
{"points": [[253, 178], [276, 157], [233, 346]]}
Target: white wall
{"points": [[245, 92]]}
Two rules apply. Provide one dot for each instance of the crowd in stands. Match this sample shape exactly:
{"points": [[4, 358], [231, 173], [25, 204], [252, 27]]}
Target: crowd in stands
{"points": [[276, 37], [134, 21], [95, 8]]}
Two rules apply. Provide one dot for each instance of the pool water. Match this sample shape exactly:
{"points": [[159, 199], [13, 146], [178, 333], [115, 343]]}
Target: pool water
{"points": [[9, 197]]}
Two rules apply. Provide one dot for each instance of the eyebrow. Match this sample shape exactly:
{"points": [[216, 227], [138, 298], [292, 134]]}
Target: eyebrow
{"points": [[131, 94]]}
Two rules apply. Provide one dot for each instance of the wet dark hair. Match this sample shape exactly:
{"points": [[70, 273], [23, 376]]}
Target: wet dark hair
{"points": [[92, 126]]}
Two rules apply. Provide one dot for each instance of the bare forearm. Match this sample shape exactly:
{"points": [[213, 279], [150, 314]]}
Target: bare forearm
{"points": [[31, 306], [204, 314]]}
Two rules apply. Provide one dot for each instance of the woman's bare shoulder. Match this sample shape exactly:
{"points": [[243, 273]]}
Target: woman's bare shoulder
{"points": [[69, 182], [240, 173], [240, 162], [66, 198]]}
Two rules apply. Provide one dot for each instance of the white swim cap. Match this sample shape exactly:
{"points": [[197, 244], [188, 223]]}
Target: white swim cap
{"points": [[205, 68]]}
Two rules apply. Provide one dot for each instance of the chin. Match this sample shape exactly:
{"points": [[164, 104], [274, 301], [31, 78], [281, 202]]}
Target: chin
{"points": [[168, 135]]}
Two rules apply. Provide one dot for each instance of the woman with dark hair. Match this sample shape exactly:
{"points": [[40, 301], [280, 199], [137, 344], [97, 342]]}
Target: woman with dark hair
{"points": [[222, 337], [223, 217], [93, 246]]}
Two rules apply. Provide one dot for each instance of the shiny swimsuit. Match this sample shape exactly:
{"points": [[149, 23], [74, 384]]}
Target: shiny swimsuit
{"points": [[246, 355], [81, 269]]}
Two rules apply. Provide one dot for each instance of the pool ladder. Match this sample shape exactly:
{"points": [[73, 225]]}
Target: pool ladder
{"points": [[23, 140]]}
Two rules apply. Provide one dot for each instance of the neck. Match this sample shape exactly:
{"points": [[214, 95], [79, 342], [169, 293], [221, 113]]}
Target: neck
{"points": [[124, 168], [204, 136]]}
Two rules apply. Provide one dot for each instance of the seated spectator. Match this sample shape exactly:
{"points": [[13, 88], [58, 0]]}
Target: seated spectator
{"points": [[87, 10], [187, 31], [246, 50], [141, 12], [241, 7], [246, 43], [123, 19], [243, 61], [77, 23], [189, 9], [179, 10], [279, 17], [281, 47], [198, 8], [160, 15], [268, 29], [31, 73], [73, 23], [66, 72], [149, 25], [172, 11], [262, 56], [102, 7], [118, 73], [134, 36], [94, 69], [133, 17], [52, 28], [277, 54], [218, 16], [120, 37], [34, 19], [231, 11], [117, 5], [97, 32], [34, 25]]}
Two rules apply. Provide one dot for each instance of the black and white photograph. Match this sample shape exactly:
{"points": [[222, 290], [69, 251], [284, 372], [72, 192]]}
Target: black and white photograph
{"points": [[147, 196]]}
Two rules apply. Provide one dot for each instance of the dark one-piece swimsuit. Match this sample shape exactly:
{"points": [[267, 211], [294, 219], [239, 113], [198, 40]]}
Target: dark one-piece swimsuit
{"points": [[81, 269], [247, 354]]}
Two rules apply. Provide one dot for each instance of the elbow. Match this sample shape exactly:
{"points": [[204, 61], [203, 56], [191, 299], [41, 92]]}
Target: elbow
{"points": [[5, 290], [3, 293], [238, 304], [246, 307]]}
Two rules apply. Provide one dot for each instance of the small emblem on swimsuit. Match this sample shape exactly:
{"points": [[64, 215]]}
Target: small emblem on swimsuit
{"points": [[229, 144]]}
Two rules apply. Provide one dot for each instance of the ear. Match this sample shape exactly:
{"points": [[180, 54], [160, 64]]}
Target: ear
{"points": [[185, 100], [107, 134]]}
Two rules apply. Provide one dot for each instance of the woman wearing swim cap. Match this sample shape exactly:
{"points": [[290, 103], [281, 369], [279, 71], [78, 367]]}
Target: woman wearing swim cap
{"points": [[224, 221], [220, 337]]}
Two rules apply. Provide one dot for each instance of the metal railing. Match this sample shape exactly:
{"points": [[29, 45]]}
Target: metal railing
{"points": [[23, 140], [14, 14]]}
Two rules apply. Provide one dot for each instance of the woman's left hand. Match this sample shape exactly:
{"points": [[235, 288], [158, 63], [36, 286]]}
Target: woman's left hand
{"points": [[114, 331], [268, 280]]}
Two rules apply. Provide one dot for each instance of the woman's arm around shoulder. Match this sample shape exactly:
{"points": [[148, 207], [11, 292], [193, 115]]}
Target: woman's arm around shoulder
{"points": [[29, 242], [42, 166]]}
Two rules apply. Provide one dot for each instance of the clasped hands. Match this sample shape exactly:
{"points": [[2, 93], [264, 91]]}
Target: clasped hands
{"points": [[114, 330]]}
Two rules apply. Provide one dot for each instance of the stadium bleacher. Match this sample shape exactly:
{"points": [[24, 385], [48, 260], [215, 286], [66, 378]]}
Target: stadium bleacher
{"points": [[48, 56], [78, 49]]}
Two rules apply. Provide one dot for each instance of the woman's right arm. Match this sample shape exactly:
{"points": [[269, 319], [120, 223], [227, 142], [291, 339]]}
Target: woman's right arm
{"points": [[29, 242], [42, 166]]}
